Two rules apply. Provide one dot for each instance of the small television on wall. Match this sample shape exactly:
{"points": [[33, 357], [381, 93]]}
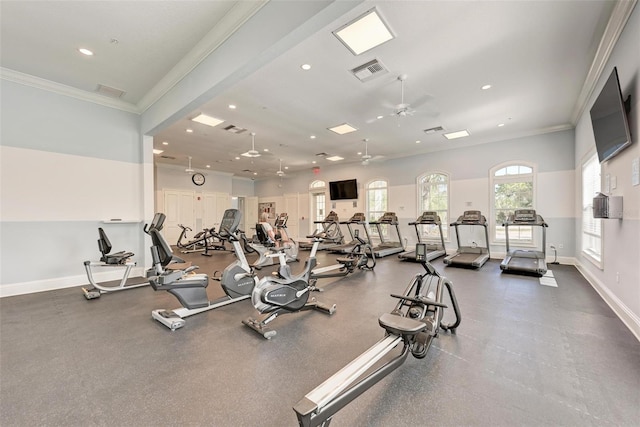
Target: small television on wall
{"points": [[343, 190], [609, 120]]}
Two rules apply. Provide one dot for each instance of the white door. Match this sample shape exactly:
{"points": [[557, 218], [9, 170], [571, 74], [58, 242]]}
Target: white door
{"points": [[214, 206], [291, 208], [250, 215], [179, 209]]}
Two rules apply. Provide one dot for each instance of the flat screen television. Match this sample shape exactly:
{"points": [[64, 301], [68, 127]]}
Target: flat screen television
{"points": [[343, 190], [609, 120]]}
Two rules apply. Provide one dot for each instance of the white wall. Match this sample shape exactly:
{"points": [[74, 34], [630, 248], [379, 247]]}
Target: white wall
{"points": [[618, 281]]}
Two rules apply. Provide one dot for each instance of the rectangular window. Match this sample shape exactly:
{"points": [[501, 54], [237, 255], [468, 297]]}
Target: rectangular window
{"points": [[591, 227]]}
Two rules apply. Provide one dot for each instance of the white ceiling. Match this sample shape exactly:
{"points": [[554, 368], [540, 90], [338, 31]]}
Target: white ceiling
{"points": [[541, 58]]}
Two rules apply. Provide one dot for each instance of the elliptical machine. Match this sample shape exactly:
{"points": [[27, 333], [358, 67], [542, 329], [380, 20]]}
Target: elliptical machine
{"points": [[237, 279], [361, 257], [415, 321], [287, 293]]}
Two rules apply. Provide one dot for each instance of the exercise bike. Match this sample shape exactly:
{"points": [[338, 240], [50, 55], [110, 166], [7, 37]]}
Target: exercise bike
{"points": [[237, 279], [266, 247], [414, 322], [116, 260], [287, 293], [361, 257]]}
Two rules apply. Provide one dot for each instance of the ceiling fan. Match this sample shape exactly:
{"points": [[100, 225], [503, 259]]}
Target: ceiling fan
{"points": [[366, 157], [189, 169], [253, 152], [404, 109], [280, 172]]}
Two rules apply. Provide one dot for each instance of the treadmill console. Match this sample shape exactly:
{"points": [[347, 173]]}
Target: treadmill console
{"points": [[429, 216], [389, 218], [358, 217], [524, 215], [331, 217], [471, 216], [421, 252]]}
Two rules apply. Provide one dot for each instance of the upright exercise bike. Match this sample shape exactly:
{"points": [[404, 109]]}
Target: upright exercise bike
{"points": [[237, 279], [287, 293], [414, 323]]}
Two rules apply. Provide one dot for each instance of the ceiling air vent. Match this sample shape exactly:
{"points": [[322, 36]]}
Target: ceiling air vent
{"points": [[111, 92], [234, 129], [434, 130], [168, 157], [321, 155], [370, 70]]}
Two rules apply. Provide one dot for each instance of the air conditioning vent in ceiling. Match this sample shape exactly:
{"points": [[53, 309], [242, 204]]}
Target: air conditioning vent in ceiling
{"points": [[434, 130], [370, 70], [168, 157], [234, 129], [321, 155], [111, 92]]}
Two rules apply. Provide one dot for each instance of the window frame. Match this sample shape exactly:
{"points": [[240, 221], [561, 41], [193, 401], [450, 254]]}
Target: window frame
{"points": [[595, 258], [493, 180], [317, 187], [373, 230], [445, 221]]}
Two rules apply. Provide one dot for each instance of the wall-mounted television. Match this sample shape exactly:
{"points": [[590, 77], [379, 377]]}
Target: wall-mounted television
{"points": [[343, 190], [609, 120]]}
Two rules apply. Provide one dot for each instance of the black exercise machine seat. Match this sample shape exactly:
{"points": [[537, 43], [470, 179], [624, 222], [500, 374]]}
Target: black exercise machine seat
{"points": [[399, 325], [263, 237], [105, 247]]}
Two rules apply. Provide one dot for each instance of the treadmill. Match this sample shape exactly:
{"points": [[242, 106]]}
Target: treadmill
{"points": [[388, 247], [470, 256], [434, 249], [331, 234], [523, 260], [357, 220]]}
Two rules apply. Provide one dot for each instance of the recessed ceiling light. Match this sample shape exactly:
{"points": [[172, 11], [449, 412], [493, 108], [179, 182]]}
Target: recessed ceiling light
{"points": [[208, 166], [335, 158], [255, 173], [418, 141], [313, 162], [207, 120], [364, 33], [500, 125], [458, 134], [485, 87], [343, 129], [189, 130], [156, 151], [237, 158], [232, 107], [312, 137], [380, 117], [165, 143], [305, 67], [84, 51], [286, 167], [359, 153], [266, 149]]}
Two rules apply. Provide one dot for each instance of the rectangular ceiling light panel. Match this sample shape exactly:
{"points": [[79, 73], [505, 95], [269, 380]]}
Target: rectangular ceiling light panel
{"points": [[335, 158], [207, 120], [364, 33], [458, 134], [343, 129]]}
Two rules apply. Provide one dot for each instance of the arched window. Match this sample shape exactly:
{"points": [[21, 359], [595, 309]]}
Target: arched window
{"points": [[433, 195], [317, 193], [512, 187], [376, 202]]}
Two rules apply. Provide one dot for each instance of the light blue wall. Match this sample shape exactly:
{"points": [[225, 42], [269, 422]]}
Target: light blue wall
{"points": [[49, 233]]}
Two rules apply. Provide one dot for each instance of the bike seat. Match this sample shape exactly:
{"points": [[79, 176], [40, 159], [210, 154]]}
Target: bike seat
{"points": [[398, 325]]}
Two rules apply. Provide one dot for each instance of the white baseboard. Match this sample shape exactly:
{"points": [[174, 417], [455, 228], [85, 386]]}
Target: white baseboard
{"points": [[22, 288], [628, 317]]}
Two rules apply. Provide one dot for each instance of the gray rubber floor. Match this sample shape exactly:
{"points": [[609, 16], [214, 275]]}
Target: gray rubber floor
{"points": [[524, 354]]}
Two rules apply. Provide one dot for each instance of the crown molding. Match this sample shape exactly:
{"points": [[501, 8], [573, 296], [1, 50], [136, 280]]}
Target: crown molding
{"points": [[229, 24], [618, 19], [50, 86]]}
